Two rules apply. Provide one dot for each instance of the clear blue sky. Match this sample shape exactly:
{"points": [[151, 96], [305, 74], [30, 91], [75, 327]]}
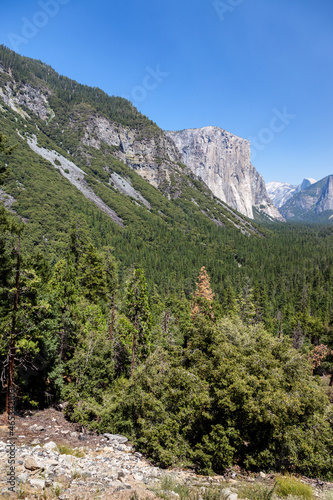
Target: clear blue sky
{"points": [[236, 64]]}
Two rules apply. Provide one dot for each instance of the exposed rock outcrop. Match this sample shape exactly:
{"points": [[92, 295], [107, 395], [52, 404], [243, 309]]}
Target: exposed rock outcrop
{"points": [[223, 162], [154, 158], [325, 201], [32, 98], [169, 161]]}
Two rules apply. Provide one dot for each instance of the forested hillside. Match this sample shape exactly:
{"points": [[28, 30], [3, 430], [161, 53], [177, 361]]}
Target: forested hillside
{"points": [[204, 337]]}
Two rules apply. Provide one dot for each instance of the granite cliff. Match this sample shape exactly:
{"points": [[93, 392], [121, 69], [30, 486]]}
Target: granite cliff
{"points": [[314, 203], [222, 161]]}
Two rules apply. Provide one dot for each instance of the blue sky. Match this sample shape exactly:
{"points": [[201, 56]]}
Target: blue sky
{"points": [[261, 69]]}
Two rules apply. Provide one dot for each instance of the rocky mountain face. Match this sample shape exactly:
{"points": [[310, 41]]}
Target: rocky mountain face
{"points": [[315, 202], [325, 201], [219, 158], [222, 161], [102, 150], [281, 192], [154, 157]]}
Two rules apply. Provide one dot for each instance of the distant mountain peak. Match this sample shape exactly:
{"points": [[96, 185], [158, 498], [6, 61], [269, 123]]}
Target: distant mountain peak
{"points": [[306, 183], [281, 192]]}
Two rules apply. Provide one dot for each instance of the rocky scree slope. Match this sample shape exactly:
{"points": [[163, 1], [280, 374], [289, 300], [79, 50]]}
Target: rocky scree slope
{"points": [[222, 161]]}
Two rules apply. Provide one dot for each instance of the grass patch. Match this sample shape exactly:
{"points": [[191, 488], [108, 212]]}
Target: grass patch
{"points": [[329, 495], [169, 486], [257, 491], [288, 485], [68, 450], [213, 493]]}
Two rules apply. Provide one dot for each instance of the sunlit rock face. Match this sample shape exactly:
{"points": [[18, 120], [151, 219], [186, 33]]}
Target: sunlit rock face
{"points": [[223, 161]]}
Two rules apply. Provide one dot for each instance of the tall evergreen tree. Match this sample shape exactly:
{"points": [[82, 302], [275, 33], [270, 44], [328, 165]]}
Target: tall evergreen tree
{"points": [[138, 312]]}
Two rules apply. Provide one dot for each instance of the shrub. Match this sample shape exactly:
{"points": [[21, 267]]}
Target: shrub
{"points": [[235, 393]]}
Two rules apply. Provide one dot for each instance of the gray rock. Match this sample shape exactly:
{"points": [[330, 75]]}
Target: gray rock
{"points": [[223, 161], [123, 487], [22, 478], [315, 199], [37, 483], [50, 446], [39, 428], [231, 495], [32, 465], [116, 438], [51, 462], [137, 476], [74, 175], [143, 156]]}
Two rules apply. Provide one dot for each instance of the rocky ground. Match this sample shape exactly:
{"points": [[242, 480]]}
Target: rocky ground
{"points": [[57, 459]]}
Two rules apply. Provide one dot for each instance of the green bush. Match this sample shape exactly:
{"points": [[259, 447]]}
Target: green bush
{"points": [[234, 394]]}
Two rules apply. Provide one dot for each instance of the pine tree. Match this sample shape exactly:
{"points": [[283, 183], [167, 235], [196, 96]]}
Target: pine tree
{"points": [[138, 312], [246, 304], [203, 295], [111, 270]]}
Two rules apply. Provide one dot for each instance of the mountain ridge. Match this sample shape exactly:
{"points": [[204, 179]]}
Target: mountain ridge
{"points": [[96, 119]]}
